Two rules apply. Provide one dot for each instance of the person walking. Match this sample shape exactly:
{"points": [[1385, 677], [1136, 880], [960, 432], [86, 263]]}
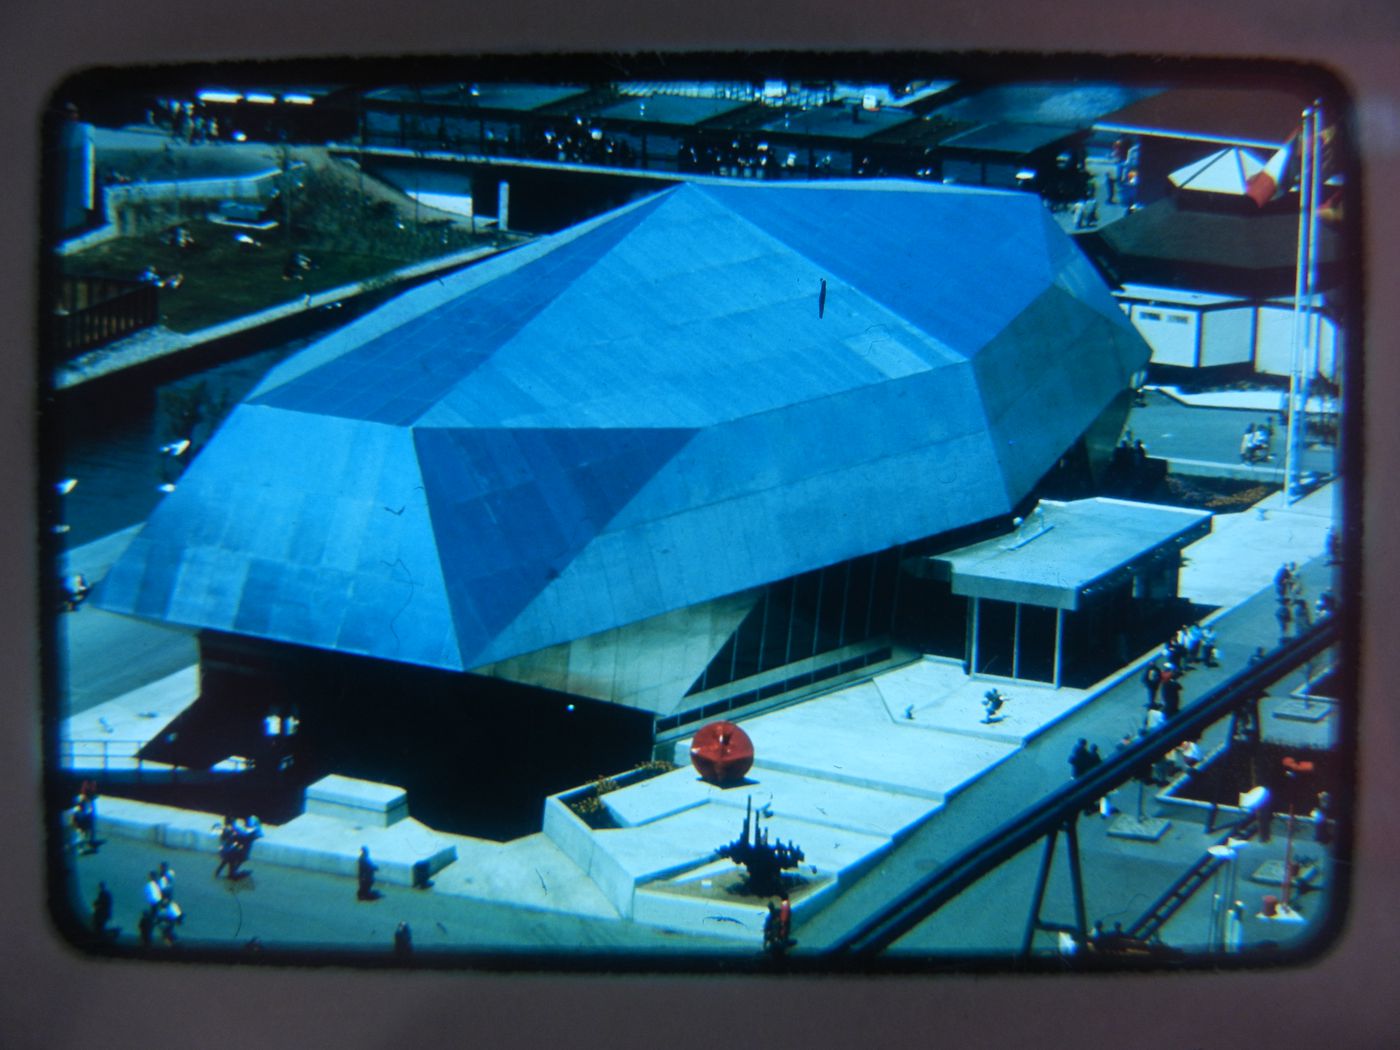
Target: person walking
{"points": [[1284, 615], [1208, 649], [1171, 696], [1176, 657], [85, 820], [1079, 759], [152, 893], [167, 916], [101, 910], [365, 870], [1193, 643], [165, 879], [1190, 753], [227, 847], [145, 927], [1113, 174], [1091, 760], [1152, 681], [245, 833], [1302, 615], [403, 940]]}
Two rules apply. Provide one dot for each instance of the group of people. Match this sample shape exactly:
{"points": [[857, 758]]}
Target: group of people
{"points": [[1292, 607], [1122, 174], [1256, 442], [1162, 680], [279, 733], [236, 838], [186, 121], [161, 914], [777, 927], [1162, 677], [171, 281], [1191, 645], [1292, 602], [1082, 759]]}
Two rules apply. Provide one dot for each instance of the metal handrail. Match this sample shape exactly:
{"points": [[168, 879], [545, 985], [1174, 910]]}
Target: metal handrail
{"points": [[68, 751]]}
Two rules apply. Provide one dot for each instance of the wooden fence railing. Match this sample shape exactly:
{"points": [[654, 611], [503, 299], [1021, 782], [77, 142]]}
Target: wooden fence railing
{"points": [[92, 311]]}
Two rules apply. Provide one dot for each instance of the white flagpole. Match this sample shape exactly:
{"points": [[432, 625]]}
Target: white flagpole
{"points": [[1312, 346], [1290, 461]]}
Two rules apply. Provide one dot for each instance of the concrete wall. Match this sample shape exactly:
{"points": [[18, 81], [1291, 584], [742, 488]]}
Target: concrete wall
{"points": [[1261, 335], [647, 665], [1227, 337], [1171, 332], [116, 199], [1274, 342], [578, 842]]}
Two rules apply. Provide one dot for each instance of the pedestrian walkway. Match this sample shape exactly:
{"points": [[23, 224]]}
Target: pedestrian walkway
{"points": [[1246, 548]]}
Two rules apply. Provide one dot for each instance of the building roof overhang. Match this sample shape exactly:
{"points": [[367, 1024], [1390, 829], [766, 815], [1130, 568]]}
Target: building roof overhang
{"points": [[1063, 553]]}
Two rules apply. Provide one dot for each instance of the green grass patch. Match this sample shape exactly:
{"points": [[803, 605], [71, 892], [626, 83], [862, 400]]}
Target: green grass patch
{"points": [[348, 234]]}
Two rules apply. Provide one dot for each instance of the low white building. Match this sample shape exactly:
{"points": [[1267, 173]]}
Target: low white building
{"points": [[1189, 329]]}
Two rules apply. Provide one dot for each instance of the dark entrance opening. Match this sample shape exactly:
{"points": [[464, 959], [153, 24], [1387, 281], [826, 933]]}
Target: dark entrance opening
{"points": [[996, 637], [1037, 644], [476, 755]]}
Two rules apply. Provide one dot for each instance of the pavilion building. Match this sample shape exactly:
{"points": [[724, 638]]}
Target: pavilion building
{"points": [[676, 459]]}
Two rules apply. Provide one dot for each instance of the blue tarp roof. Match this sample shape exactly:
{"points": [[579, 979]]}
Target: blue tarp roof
{"points": [[645, 412]]}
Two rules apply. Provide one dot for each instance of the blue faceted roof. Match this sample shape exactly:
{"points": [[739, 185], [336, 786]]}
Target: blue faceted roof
{"points": [[645, 412]]}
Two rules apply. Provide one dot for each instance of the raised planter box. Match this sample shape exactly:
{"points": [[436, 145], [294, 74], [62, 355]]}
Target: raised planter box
{"points": [[361, 802], [576, 840]]}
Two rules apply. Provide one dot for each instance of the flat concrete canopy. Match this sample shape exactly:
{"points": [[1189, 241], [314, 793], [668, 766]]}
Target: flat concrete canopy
{"points": [[1064, 550]]}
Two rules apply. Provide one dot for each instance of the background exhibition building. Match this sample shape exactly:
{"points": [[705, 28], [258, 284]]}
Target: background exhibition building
{"points": [[663, 464]]}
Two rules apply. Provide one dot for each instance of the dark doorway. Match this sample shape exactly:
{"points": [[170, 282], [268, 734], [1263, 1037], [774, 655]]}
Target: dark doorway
{"points": [[996, 637], [476, 755]]}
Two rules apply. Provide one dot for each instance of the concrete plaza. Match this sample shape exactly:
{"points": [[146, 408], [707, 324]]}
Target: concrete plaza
{"points": [[879, 782]]}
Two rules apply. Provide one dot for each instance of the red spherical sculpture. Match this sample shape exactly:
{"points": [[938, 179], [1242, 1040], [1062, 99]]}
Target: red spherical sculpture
{"points": [[721, 753]]}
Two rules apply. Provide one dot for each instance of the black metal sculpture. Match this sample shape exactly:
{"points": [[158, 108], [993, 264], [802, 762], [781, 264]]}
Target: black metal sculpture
{"points": [[765, 861]]}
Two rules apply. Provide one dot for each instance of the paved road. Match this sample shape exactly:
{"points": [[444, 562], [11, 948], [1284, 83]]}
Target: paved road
{"points": [[1177, 431], [291, 909]]}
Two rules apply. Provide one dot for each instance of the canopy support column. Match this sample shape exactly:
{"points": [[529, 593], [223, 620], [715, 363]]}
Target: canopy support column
{"points": [[1016, 644], [1059, 644], [973, 617]]}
